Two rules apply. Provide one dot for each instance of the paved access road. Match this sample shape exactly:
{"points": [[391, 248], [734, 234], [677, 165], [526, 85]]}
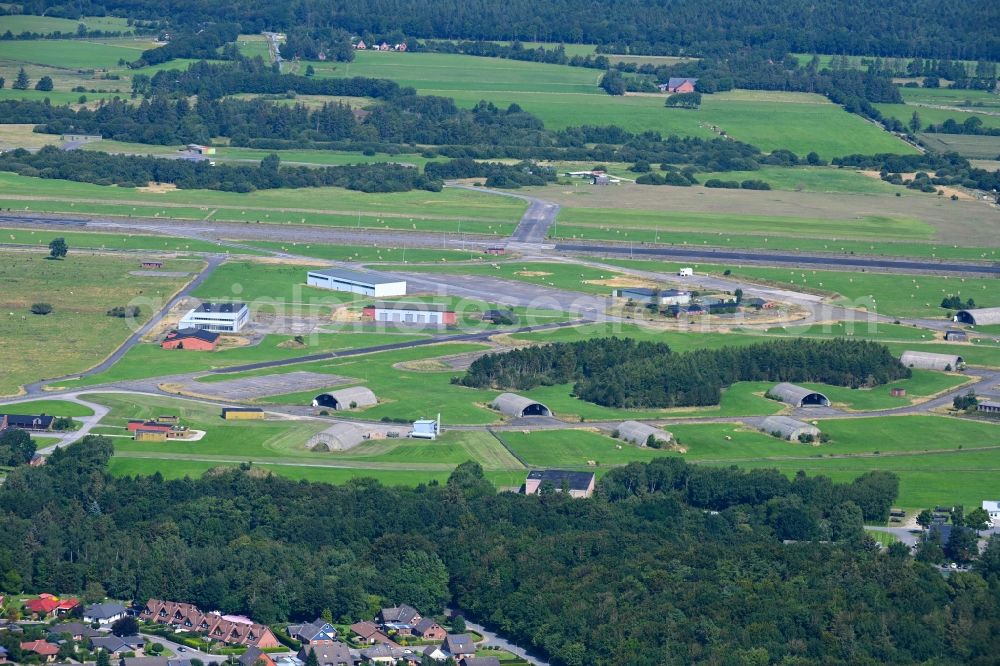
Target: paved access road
{"points": [[213, 262]]}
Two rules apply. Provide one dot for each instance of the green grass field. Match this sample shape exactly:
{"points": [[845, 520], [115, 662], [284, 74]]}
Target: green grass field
{"points": [[567, 96], [903, 113], [451, 210], [103, 241], [809, 179], [78, 333], [622, 224], [951, 97], [966, 145], [66, 53], [44, 25], [149, 360], [51, 407]]}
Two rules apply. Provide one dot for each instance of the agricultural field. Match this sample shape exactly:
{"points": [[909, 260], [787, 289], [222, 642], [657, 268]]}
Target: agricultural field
{"points": [[798, 122], [809, 179], [966, 145], [970, 99], [78, 333], [449, 211], [929, 115], [43, 25]]}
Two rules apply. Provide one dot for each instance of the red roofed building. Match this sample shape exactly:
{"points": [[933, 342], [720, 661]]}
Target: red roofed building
{"points": [[43, 606], [233, 630], [44, 649]]}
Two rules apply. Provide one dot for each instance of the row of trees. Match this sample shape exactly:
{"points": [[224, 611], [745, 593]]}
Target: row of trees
{"points": [[936, 169], [617, 372], [927, 28], [667, 564], [137, 171]]}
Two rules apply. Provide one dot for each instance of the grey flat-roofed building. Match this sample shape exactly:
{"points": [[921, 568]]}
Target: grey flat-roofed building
{"points": [[368, 283], [577, 484], [787, 427], [988, 407], [218, 317], [516, 406], [979, 316], [338, 437], [352, 397], [657, 296], [798, 396], [638, 433], [930, 361]]}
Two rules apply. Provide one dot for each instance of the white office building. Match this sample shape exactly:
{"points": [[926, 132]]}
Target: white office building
{"points": [[218, 317], [357, 282], [426, 428]]}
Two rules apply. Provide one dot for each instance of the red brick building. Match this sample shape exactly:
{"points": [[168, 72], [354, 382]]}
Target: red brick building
{"points": [[191, 339], [230, 629]]}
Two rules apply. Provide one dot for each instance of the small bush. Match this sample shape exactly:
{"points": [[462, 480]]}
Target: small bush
{"points": [[41, 308]]}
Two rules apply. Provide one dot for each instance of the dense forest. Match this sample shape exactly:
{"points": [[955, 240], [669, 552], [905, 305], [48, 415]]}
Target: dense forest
{"points": [[620, 372], [926, 28], [668, 564], [138, 171]]}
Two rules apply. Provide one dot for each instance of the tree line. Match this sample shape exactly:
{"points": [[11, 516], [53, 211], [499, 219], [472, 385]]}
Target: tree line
{"points": [[623, 373], [932, 169], [925, 28], [668, 564], [138, 171]]}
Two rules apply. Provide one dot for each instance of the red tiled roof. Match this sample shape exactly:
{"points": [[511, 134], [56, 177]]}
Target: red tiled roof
{"points": [[43, 648], [41, 605]]}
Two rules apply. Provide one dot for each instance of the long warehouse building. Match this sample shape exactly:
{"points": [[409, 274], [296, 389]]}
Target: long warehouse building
{"points": [[357, 282]]}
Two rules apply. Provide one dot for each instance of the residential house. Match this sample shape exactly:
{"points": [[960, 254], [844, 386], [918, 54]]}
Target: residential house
{"points": [[992, 507], [384, 46], [230, 629], [329, 654], [459, 646], [361, 46], [368, 632], [253, 655], [401, 619], [49, 605], [30, 422], [3, 655], [47, 651], [117, 646], [103, 614], [435, 653], [78, 631], [317, 632], [390, 656], [578, 484], [678, 85], [429, 630]]}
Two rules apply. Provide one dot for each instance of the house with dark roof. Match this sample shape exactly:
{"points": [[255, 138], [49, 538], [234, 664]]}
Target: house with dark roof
{"points": [[103, 614], [317, 632], [577, 484], [191, 339], [253, 655], [78, 631], [368, 632], [390, 656], [459, 646], [117, 645], [329, 654], [3, 654], [401, 619], [429, 630], [31, 422]]}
